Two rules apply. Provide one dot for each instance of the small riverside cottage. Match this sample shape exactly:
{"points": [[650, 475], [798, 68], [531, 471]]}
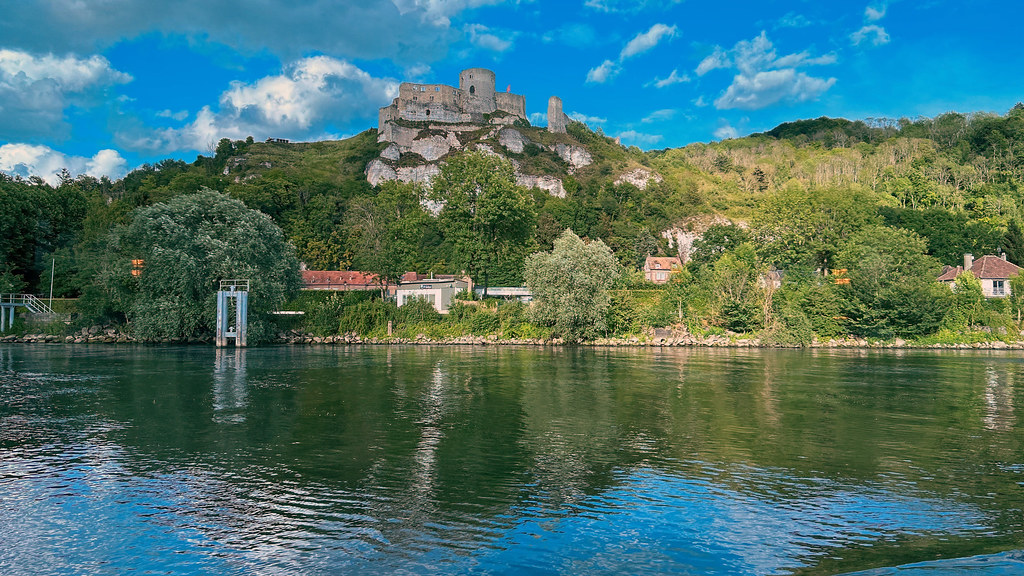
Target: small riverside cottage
{"points": [[659, 269], [994, 273], [439, 290]]}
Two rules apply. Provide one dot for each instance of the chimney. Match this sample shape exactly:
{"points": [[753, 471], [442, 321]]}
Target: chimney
{"points": [[968, 261], [1003, 255]]}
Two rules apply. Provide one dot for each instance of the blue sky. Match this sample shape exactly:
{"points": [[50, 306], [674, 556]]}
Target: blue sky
{"points": [[103, 86]]}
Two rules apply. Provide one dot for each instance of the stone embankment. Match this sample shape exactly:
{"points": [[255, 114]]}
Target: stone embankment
{"points": [[655, 338]]}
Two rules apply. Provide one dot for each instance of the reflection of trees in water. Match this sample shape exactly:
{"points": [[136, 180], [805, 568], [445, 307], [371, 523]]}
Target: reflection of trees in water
{"points": [[230, 386]]}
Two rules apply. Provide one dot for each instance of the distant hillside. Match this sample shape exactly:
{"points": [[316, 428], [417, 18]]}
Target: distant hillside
{"points": [[956, 170]]}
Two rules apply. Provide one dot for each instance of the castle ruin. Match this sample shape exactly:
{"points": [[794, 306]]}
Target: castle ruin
{"points": [[468, 103]]}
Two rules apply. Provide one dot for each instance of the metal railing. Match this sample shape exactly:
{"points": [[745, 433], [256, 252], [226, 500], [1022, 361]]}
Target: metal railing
{"points": [[34, 305], [239, 285]]}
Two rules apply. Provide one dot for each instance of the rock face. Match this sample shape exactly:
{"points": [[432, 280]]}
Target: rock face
{"points": [[392, 153], [557, 120], [378, 171], [511, 139], [682, 239], [639, 177], [550, 184], [575, 156], [433, 147], [421, 174]]}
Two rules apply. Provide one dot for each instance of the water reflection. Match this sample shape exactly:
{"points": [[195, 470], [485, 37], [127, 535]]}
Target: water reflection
{"points": [[999, 413], [230, 386], [428, 460]]}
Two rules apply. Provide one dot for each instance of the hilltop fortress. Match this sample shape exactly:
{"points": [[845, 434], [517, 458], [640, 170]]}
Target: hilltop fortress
{"points": [[470, 102], [427, 122]]}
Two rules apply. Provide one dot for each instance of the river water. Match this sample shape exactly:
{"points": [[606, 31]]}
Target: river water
{"points": [[497, 460]]}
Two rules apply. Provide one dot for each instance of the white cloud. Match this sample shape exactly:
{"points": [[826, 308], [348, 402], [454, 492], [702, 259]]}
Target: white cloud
{"points": [[764, 78], [580, 117], [725, 131], [717, 59], [659, 115], [603, 73], [299, 103], [629, 6], [481, 37], [700, 102], [640, 43], [647, 40], [639, 138], [401, 30], [179, 115], [537, 118], [673, 78], [873, 13], [873, 33], [793, 20], [36, 90], [27, 160]]}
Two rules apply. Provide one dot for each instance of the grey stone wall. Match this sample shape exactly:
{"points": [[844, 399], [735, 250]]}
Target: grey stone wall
{"points": [[557, 120]]}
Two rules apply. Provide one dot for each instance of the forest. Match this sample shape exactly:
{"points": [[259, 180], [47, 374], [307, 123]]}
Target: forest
{"points": [[889, 202]]}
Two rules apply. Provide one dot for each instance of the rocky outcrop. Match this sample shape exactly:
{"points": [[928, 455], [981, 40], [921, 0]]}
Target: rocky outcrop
{"points": [[392, 152], [512, 140], [433, 147], [421, 174], [550, 184], [682, 239], [575, 156], [639, 177], [378, 171]]}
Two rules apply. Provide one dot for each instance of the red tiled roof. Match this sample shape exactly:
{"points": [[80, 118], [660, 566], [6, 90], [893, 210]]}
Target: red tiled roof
{"points": [[994, 267], [321, 278], [666, 262], [986, 267]]}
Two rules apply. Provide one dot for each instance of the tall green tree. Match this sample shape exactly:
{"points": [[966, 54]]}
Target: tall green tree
{"points": [[570, 286], [1013, 243], [488, 221], [386, 231], [187, 246]]}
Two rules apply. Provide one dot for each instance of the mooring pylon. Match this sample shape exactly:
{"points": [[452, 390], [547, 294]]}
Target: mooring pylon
{"points": [[233, 296]]}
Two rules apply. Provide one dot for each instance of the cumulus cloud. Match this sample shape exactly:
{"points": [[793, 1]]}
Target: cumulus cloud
{"points": [[482, 37], [640, 43], [673, 78], [874, 13], [872, 33], [537, 118], [26, 160], [603, 73], [299, 103], [725, 131], [646, 40], [179, 115], [639, 138], [763, 77], [659, 115], [793, 20], [580, 117], [35, 90], [404, 30]]}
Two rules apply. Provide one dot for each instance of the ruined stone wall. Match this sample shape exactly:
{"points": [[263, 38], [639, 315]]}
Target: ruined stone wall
{"points": [[477, 87], [429, 102], [386, 114], [514, 104], [557, 120]]}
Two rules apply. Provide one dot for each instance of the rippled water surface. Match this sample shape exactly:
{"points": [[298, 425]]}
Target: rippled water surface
{"points": [[509, 461]]}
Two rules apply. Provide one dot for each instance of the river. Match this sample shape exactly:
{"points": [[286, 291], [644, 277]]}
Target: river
{"points": [[503, 460]]}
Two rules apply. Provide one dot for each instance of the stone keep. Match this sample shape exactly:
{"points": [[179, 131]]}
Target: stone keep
{"points": [[475, 97], [557, 120]]}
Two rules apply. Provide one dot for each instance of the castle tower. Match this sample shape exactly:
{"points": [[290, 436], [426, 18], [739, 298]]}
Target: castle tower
{"points": [[477, 86], [557, 120]]}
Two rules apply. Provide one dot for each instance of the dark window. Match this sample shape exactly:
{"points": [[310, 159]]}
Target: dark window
{"points": [[472, 89], [428, 112]]}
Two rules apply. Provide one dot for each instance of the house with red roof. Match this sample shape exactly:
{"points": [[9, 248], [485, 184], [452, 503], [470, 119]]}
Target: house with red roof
{"points": [[339, 280], [994, 273], [658, 269]]}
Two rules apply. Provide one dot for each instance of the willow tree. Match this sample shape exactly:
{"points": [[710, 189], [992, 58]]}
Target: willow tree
{"points": [[570, 286], [186, 246]]}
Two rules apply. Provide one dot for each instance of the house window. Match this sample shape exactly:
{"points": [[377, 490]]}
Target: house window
{"points": [[662, 276], [437, 88], [657, 265], [998, 288]]}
